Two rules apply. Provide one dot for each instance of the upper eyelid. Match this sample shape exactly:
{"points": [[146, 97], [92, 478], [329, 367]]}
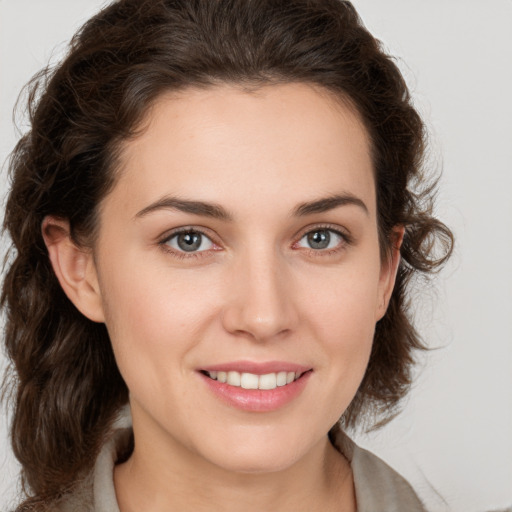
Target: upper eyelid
{"points": [[165, 237], [332, 230], [343, 232]]}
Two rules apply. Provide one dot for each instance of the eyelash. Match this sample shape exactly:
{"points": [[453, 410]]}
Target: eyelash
{"points": [[346, 240], [183, 254], [345, 237]]}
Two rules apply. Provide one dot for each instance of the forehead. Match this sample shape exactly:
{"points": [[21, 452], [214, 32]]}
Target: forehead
{"points": [[278, 143]]}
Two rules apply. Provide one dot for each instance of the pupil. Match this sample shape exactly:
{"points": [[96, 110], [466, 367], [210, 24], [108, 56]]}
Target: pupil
{"points": [[189, 241], [319, 239]]}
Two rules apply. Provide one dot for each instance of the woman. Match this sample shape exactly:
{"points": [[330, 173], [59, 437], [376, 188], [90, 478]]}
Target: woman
{"points": [[214, 225]]}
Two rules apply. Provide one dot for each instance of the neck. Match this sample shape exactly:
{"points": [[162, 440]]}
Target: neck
{"points": [[155, 479]]}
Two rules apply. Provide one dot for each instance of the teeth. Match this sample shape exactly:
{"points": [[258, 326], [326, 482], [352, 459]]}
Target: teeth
{"points": [[281, 379], [268, 381], [249, 381], [233, 379], [253, 381]]}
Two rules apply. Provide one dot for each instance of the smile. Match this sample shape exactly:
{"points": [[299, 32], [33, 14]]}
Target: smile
{"points": [[256, 387], [247, 380]]}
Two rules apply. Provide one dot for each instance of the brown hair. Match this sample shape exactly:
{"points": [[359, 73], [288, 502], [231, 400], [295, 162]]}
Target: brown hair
{"points": [[66, 387]]}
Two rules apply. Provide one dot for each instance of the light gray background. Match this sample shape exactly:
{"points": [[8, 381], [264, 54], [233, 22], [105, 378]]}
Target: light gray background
{"points": [[454, 439]]}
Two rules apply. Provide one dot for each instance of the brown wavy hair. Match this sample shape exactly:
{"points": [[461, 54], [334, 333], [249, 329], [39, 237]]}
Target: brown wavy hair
{"points": [[64, 384]]}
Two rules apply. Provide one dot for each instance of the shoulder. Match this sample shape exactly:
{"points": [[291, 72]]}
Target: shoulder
{"points": [[96, 493], [378, 486], [80, 500]]}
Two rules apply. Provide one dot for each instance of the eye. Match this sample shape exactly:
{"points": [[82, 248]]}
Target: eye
{"points": [[189, 241], [320, 239]]}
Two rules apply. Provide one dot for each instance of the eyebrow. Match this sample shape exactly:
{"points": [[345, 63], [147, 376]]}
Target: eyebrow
{"points": [[329, 203], [201, 208], [216, 211]]}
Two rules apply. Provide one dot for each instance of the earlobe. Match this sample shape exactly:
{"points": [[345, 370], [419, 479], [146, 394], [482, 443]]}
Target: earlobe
{"points": [[389, 269], [74, 267]]}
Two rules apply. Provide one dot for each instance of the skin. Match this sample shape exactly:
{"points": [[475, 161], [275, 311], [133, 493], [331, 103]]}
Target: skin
{"points": [[255, 291]]}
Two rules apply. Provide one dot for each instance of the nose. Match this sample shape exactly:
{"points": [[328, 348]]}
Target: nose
{"points": [[261, 303]]}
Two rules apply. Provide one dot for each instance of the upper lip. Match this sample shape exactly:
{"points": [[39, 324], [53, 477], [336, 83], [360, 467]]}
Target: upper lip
{"points": [[257, 368]]}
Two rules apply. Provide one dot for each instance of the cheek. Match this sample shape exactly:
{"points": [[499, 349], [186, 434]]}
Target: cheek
{"points": [[341, 314], [155, 315], [344, 302]]}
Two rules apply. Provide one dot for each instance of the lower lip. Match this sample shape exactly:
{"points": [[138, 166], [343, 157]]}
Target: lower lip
{"points": [[257, 400]]}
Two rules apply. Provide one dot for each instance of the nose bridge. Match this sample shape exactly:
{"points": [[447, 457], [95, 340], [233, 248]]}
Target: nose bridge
{"points": [[260, 303]]}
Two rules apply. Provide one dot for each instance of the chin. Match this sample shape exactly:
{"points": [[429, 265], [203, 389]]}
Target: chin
{"points": [[257, 463], [263, 454]]}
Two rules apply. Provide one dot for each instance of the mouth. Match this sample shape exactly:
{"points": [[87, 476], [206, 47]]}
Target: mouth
{"points": [[248, 380], [254, 387]]}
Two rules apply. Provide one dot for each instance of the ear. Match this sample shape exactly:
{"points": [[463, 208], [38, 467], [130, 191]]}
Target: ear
{"points": [[388, 271], [74, 267]]}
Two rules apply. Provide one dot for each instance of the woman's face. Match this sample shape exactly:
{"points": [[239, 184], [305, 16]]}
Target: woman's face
{"points": [[241, 241]]}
